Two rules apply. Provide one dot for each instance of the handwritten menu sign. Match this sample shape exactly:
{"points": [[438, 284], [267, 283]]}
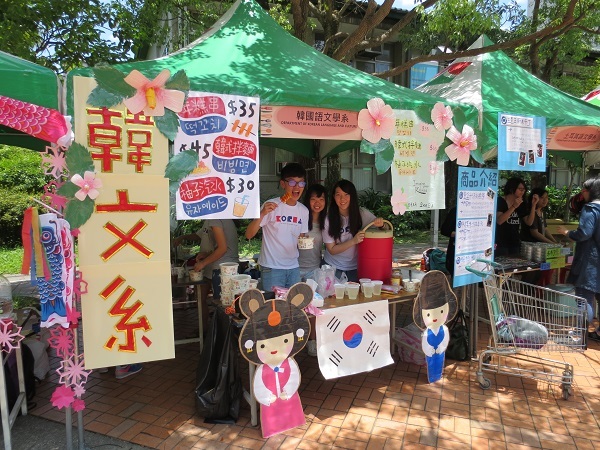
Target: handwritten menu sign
{"points": [[223, 130], [415, 170], [521, 142], [475, 220]]}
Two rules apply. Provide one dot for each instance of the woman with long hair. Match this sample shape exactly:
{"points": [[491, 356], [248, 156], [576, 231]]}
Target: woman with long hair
{"points": [[538, 231], [315, 199], [511, 210], [343, 229]]}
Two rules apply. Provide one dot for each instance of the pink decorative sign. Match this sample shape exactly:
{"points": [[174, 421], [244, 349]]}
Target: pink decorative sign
{"points": [[302, 122], [578, 138]]}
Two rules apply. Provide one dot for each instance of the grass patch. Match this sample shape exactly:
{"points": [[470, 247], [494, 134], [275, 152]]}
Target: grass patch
{"points": [[11, 260]]}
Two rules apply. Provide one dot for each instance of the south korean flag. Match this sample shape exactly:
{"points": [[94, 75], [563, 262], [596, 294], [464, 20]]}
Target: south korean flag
{"points": [[353, 339]]}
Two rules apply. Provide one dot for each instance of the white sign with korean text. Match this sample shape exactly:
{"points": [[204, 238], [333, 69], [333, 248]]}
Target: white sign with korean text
{"points": [[223, 131]]}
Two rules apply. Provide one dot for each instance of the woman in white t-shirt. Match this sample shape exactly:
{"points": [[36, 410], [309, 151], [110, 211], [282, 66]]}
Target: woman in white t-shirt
{"points": [[315, 199], [343, 229]]}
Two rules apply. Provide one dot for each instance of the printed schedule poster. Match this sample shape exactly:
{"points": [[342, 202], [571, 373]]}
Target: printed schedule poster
{"points": [[223, 130], [521, 143], [475, 221]]}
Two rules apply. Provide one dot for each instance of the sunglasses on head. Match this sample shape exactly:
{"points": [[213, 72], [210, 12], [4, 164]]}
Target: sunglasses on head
{"points": [[293, 183]]}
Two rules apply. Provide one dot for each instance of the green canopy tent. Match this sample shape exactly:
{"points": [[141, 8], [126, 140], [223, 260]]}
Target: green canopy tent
{"points": [[247, 53], [31, 83], [494, 83]]}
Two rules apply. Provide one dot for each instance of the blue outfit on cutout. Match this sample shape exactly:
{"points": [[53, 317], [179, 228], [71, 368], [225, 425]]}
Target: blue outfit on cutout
{"points": [[435, 362]]}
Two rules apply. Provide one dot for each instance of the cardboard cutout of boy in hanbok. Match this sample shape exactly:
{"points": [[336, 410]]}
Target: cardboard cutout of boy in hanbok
{"points": [[275, 331], [434, 306]]}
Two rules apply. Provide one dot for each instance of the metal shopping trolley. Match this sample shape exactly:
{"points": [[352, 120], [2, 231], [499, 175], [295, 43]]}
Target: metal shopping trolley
{"points": [[527, 320]]}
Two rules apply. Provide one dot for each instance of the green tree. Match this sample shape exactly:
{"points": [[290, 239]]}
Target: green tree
{"points": [[59, 34], [20, 178]]}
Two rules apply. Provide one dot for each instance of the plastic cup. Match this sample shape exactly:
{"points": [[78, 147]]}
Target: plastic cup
{"points": [[377, 287], [340, 290], [229, 268], [352, 289], [180, 272], [368, 289], [363, 281]]}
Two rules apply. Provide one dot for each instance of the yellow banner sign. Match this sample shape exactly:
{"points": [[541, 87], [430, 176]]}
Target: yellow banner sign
{"points": [[124, 253]]}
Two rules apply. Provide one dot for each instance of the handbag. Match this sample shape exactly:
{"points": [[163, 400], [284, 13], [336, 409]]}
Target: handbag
{"points": [[458, 345]]}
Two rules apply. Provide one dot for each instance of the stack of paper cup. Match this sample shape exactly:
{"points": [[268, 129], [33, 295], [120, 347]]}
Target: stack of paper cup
{"points": [[241, 283], [228, 271]]}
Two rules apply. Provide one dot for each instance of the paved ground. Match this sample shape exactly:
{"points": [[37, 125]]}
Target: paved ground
{"points": [[34, 433]]}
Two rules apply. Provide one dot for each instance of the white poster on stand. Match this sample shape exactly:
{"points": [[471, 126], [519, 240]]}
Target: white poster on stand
{"points": [[223, 130], [415, 172], [475, 221]]}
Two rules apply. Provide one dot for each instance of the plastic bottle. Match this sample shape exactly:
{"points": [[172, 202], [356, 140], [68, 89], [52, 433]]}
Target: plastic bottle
{"points": [[423, 268], [396, 277], [6, 305]]}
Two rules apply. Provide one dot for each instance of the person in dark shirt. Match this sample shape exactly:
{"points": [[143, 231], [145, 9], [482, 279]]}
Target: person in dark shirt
{"points": [[537, 231], [511, 210]]}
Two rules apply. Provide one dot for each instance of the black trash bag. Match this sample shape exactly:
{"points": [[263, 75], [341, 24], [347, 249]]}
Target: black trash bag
{"points": [[219, 386]]}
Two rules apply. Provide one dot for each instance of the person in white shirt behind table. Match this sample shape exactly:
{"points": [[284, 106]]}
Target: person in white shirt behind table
{"points": [[343, 229], [282, 220]]}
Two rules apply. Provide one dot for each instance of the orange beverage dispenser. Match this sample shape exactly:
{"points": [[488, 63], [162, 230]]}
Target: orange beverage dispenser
{"points": [[375, 253]]}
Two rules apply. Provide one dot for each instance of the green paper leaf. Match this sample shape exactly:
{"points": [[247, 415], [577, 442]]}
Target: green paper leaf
{"points": [[113, 81], [101, 98], [423, 112], [373, 149], [168, 124], [68, 190], [179, 82], [181, 165], [383, 159], [459, 118], [79, 159], [441, 153], [78, 212], [173, 186], [477, 155]]}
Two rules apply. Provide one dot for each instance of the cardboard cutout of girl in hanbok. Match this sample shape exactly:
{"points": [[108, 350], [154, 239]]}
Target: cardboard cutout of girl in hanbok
{"points": [[434, 306], [275, 331]]}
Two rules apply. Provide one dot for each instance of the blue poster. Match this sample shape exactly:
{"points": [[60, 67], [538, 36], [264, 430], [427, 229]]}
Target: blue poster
{"points": [[521, 143], [475, 220]]}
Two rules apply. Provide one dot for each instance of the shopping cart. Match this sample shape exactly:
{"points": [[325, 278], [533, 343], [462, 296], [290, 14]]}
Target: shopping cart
{"points": [[527, 320]]}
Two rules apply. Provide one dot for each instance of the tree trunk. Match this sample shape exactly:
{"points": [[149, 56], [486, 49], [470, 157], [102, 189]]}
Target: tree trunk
{"points": [[300, 16]]}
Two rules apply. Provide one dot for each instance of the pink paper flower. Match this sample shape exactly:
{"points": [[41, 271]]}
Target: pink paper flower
{"points": [[62, 397], [88, 185], [463, 144], [399, 200], [10, 335], [441, 116], [377, 121], [151, 96], [78, 405]]}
